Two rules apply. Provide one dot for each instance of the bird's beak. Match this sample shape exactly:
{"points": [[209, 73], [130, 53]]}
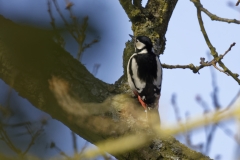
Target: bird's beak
{"points": [[131, 36]]}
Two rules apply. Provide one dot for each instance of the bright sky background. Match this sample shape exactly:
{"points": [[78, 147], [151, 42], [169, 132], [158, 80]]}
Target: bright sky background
{"points": [[185, 45]]}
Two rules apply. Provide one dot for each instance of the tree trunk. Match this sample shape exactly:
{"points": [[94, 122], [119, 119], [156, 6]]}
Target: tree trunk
{"points": [[56, 83]]}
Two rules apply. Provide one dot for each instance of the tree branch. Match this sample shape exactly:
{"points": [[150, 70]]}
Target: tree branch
{"points": [[152, 20], [33, 64], [64, 19], [213, 16], [196, 69], [210, 46], [137, 3], [128, 7]]}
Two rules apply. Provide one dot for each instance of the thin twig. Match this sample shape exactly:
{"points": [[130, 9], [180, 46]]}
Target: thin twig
{"points": [[228, 132], [59, 38], [76, 31], [214, 65], [233, 100], [74, 139], [210, 138], [53, 145], [6, 139], [188, 136], [74, 19], [84, 148], [229, 49], [51, 15], [217, 106], [175, 108], [64, 20], [34, 137]]}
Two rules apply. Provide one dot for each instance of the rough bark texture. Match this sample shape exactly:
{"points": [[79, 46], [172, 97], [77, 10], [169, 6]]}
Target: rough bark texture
{"points": [[151, 21], [29, 59]]}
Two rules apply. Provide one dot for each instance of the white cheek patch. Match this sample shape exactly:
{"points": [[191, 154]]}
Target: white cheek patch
{"points": [[139, 45]]}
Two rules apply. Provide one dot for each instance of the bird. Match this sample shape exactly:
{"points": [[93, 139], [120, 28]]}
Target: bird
{"points": [[144, 73]]}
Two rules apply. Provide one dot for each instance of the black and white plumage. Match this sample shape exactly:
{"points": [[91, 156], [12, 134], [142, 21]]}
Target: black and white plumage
{"points": [[144, 73]]}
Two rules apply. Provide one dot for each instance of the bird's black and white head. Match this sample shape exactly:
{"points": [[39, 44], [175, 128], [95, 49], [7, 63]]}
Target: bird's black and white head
{"points": [[142, 44]]}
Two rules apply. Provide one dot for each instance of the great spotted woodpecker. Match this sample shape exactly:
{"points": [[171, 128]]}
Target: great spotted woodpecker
{"points": [[144, 72]]}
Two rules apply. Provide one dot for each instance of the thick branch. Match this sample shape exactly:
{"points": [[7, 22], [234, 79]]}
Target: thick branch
{"points": [[137, 3], [128, 7], [152, 20], [30, 61]]}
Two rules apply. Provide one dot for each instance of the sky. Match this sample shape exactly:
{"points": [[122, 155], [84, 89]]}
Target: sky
{"points": [[185, 45]]}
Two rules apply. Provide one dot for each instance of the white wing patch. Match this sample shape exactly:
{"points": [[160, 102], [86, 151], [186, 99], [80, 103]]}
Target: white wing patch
{"points": [[134, 82], [138, 82], [130, 82], [139, 45], [157, 82]]}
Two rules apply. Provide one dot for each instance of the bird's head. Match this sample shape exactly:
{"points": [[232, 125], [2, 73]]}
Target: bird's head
{"points": [[142, 44]]}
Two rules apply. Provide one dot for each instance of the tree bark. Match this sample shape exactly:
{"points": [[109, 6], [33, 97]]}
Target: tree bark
{"points": [[35, 66]]}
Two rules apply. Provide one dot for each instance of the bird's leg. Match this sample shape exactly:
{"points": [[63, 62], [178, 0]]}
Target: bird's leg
{"points": [[143, 104]]}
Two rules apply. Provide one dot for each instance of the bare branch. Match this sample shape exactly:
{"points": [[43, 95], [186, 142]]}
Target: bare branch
{"points": [[34, 137], [229, 49], [78, 32], [233, 100], [59, 39], [7, 140], [64, 20], [213, 16], [214, 65], [195, 69], [175, 108], [216, 18], [210, 46], [217, 59], [53, 145]]}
